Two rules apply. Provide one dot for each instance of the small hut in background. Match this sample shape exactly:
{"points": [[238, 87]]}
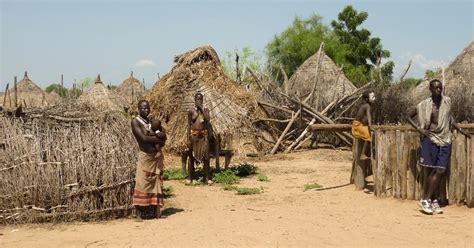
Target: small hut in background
{"points": [[331, 83], [131, 89], [231, 107], [459, 85], [103, 99], [55, 97], [29, 95]]}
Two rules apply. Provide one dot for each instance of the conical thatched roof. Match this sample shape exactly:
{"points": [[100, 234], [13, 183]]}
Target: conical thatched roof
{"points": [[55, 97], [458, 74], [331, 84], [29, 95], [131, 89], [231, 107], [103, 99]]}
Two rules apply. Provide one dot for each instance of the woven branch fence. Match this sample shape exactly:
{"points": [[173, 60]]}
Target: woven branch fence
{"points": [[61, 169]]}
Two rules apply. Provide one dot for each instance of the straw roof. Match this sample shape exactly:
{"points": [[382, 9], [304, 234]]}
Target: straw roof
{"points": [[55, 97], [103, 99], [29, 95], [131, 89], [331, 83], [231, 107], [458, 74]]}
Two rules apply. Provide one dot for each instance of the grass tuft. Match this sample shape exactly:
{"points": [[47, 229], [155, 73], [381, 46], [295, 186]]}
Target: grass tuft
{"points": [[263, 178], [174, 174], [311, 186]]}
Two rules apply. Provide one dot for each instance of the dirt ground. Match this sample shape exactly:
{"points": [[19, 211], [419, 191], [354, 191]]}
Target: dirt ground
{"points": [[283, 215]]}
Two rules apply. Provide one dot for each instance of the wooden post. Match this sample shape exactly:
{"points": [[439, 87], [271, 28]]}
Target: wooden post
{"points": [[5, 96], [453, 172], [470, 173], [358, 166], [462, 169], [411, 170], [62, 86], [237, 69], [16, 93]]}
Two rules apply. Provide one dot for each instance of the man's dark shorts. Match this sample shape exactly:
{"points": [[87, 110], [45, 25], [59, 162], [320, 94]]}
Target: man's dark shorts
{"points": [[434, 156]]}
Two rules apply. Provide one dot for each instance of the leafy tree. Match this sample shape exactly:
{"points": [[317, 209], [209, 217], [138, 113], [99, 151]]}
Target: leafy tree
{"points": [[60, 90], [345, 43], [410, 83], [247, 58], [362, 47], [431, 74], [297, 43], [85, 83]]}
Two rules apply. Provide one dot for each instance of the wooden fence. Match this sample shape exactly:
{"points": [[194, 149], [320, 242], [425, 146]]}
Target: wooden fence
{"points": [[397, 172], [396, 169]]}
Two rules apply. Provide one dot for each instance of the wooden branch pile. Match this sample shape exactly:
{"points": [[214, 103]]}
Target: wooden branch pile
{"points": [[290, 118], [61, 169]]}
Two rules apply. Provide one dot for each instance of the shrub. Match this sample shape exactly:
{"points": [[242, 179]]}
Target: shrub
{"points": [[244, 169], [174, 174], [168, 191], [263, 178], [226, 177]]}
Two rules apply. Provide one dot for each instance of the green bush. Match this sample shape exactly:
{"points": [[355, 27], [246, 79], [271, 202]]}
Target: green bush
{"points": [[226, 177], [248, 191], [174, 174], [168, 191], [244, 169], [263, 178]]}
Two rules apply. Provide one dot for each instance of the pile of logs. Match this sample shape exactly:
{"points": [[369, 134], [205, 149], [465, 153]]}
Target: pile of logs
{"points": [[298, 115]]}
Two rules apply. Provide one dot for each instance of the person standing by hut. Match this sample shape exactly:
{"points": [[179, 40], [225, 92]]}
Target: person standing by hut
{"points": [[148, 190], [362, 124], [435, 124], [198, 138]]}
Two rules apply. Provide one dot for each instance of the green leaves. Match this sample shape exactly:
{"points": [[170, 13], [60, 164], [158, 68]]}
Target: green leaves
{"points": [[345, 43]]}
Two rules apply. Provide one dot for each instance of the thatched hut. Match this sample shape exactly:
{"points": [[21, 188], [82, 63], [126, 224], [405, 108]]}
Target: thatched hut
{"points": [[231, 107], [103, 99], [131, 89], [55, 97], [331, 83], [29, 95], [459, 73], [459, 85]]}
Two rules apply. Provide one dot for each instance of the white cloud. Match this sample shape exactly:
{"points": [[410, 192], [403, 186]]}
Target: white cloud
{"points": [[145, 63], [419, 65]]}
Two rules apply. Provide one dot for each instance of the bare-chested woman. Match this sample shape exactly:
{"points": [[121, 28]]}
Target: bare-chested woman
{"points": [[198, 137], [148, 190]]}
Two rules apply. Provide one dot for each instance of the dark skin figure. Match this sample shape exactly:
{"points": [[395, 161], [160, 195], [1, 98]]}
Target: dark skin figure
{"points": [[364, 116], [434, 174], [146, 143], [195, 124]]}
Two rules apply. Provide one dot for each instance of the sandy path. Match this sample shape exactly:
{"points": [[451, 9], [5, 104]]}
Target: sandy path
{"points": [[284, 215]]}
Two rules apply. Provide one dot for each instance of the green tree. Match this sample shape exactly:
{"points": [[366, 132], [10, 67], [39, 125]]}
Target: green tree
{"points": [[362, 47], [247, 58], [410, 83], [60, 90], [431, 74], [85, 83], [297, 43]]}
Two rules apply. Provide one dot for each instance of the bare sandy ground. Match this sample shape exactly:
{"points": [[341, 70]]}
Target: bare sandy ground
{"points": [[283, 215]]}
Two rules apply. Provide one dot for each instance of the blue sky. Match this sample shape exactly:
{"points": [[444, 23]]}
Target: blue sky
{"points": [[83, 38]]}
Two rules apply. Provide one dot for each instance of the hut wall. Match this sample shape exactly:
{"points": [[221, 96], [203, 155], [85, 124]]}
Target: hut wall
{"points": [[398, 173], [60, 169]]}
